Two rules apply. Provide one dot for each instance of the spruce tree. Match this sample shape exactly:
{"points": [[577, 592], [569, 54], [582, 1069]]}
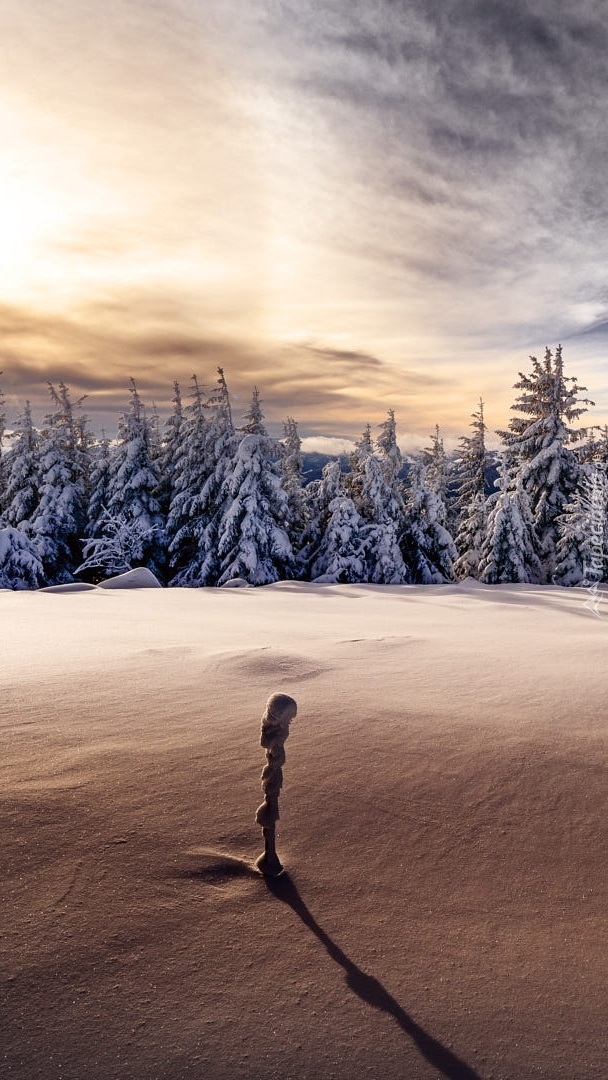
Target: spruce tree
{"points": [[2, 462], [582, 546], [99, 485], [318, 497], [353, 480], [538, 445], [201, 487], [436, 468], [389, 451], [20, 563], [291, 469], [253, 542], [428, 548], [342, 555], [60, 517], [169, 452], [133, 482], [383, 510], [510, 551], [190, 471], [470, 506], [22, 470]]}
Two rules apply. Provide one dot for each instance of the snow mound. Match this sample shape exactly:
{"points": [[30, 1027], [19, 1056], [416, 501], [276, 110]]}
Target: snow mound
{"points": [[139, 578], [236, 583]]}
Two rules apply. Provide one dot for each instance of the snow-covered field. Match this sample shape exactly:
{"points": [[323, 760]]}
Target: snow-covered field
{"points": [[443, 825]]}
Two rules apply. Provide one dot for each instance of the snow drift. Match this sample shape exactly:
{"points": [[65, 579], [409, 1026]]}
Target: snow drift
{"points": [[442, 825]]}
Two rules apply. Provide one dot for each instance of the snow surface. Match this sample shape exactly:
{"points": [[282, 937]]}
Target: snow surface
{"points": [[442, 825]]}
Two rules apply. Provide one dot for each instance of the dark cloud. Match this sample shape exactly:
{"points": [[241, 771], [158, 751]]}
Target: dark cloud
{"points": [[344, 356], [97, 349], [451, 86]]}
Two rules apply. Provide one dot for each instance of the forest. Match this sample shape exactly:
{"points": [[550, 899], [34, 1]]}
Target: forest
{"points": [[204, 501]]}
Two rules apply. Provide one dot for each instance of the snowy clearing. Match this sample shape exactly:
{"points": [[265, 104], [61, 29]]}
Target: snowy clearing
{"points": [[442, 826]]}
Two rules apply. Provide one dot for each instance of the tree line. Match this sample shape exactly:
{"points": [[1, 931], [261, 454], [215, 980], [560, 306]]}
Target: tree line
{"points": [[203, 501]]}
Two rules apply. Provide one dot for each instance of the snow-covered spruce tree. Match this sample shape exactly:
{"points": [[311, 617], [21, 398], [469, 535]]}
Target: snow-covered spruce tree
{"points": [[134, 481], [170, 449], [99, 479], [201, 487], [2, 468], [252, 537], [384, 512], [470, 506], [189, 475], [382, 507], [538, 445], [318, 497], [595, 450], [352, 481], [20, 564], [510, 550], [374, 488], [22, 471], [428, 548], [291, 469], [342, 556], [389, 452], [582, 546], [60, 517], [436, 466]]}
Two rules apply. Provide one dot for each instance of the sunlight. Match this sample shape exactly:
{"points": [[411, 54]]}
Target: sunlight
{"points": [[30, 217]]}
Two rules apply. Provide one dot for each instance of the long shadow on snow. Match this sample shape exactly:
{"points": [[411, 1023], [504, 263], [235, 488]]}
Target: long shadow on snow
{"points": [[371, 991]]}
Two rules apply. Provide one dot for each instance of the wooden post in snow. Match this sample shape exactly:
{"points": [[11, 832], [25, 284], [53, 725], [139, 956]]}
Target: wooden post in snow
{"points": [[280, 711]]}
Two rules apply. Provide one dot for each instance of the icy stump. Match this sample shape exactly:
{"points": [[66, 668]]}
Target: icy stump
{"points": [[280, 711]]}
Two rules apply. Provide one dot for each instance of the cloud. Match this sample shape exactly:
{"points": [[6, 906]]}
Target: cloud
{"points": [[355, 207], [156, 340]]}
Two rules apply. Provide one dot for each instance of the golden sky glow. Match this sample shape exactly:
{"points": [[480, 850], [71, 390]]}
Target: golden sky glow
{"points": [[338, 203]]}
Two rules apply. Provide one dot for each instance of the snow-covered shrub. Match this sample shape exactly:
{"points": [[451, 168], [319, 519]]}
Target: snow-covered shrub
{"points": [[122, 545], [20, 565]]}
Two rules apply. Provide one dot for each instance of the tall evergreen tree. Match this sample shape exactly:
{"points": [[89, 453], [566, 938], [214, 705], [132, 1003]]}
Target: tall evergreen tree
{"points": [[318, 496], [428, 548], [582, 546], [134, 482], [291, 468], [382, 508], [353, 480], [471, 504], [22, 468], [202, 483], [510, 550], [2, 462], [252, 536], [190, 473], [98, 486], [342, 556], [169, 453], [538, 445], [389, 451], [60, 518], [436, 468]]}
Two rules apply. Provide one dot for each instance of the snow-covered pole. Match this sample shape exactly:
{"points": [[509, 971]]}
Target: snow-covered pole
{"points": [[280, 711]]}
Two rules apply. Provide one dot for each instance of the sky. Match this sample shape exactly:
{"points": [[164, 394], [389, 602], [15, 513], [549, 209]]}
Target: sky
{"points": [[353, 206]]}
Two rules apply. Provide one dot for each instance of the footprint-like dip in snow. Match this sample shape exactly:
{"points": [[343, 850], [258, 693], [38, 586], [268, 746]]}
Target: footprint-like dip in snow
{"points": [[265, 663]]}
